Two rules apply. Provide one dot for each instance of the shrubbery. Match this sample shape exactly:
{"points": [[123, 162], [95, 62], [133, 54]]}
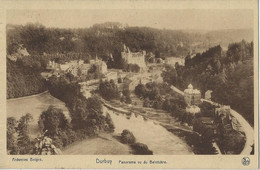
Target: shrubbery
{"points": [[141, 149], [232, 143], [199, 145], [127, 137], [152, 90], [108, 90], [126, 96]]}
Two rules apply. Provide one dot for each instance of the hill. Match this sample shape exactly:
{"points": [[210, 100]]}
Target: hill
{"points": [[44, 44], [106, 38], [229, 74], [23, 81]]}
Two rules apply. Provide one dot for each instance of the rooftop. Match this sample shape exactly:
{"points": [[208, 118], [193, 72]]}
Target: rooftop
{"points": [[190, 90]]}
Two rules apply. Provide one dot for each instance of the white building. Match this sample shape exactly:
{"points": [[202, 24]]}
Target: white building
{"points": [[192, 99], [173, 60], [192, 96], [134, 58]]}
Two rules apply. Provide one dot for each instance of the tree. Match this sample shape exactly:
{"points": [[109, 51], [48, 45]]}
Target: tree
{"points": [[53, 120], [141, 149], [157, 54], [170, 75], [207, 109], [108, 90], [11, 139], [127, 137], [140, 90], [93, 103], [128, 100], [110, 123], [23, 142]]}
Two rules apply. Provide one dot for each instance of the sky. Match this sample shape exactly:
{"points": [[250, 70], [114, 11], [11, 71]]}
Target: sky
{"points": [[187, 19]]}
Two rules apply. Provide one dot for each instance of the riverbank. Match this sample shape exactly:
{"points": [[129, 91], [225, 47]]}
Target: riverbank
{"points": [[148, 131], [164, 119], [160, 117], [26, 97]]}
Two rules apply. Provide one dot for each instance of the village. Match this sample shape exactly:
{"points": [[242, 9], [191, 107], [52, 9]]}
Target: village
{"points": [[209, 127], [90, 73]]}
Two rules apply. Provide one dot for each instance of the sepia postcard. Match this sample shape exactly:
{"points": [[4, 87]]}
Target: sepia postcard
{"points": [[129, 84]]}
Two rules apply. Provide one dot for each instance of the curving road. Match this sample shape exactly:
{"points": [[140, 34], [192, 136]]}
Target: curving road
{"points": [[249, 131]]}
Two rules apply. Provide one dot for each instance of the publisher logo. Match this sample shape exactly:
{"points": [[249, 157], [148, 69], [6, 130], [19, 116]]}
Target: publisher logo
{"points": [[245, 161]]}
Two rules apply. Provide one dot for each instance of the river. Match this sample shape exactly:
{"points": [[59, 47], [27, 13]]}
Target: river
{"points": [[156, 137]]}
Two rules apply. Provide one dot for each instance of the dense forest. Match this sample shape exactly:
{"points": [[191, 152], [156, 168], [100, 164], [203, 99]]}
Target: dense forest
{"points": [[229, 74], [214, 69], [23, 80], [106, 38]]}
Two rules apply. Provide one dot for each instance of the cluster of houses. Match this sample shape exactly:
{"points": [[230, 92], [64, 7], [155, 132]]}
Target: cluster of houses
{"points": [[221, 123], [77, 67]]}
